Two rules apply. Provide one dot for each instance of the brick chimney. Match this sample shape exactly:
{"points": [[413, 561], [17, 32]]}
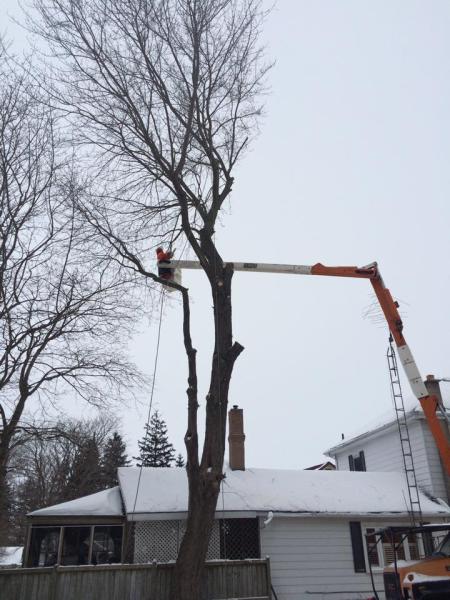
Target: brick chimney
{"points": [[236, 439]]}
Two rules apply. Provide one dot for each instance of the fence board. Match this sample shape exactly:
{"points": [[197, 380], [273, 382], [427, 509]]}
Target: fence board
{"points": [[223, 579]]}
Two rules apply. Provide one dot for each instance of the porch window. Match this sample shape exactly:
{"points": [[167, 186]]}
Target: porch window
{"points": [[44, 545], [75, 549], [75, 545], [106, 545]]}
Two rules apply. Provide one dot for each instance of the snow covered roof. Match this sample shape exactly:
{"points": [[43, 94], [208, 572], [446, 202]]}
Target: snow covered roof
{"points": [[157, 493], [377, 426], [107, 503]]}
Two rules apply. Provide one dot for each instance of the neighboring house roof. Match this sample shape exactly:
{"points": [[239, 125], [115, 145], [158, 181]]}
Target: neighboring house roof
{"points": [[107, 503], [389, 422], [325, 466], [11, 555], [155, 493]]}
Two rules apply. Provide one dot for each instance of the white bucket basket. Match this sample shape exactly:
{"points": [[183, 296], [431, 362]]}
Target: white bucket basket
{"points": [[176, 279]]}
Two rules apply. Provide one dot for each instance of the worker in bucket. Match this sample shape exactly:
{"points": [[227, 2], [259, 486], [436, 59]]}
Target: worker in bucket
{"points": [[164, 257]]}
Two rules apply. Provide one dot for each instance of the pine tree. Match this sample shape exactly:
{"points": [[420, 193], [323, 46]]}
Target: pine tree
{"points": [[85, 475], [154, 448], [179, 461], [113, 457]]}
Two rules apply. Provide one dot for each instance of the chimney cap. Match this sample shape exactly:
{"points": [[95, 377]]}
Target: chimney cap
{"points": [[430, 377], [235, 406]]}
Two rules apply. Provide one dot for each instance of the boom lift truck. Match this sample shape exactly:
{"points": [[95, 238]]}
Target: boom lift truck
{"points": [[421, 579], [432, 575], [430, 403]]}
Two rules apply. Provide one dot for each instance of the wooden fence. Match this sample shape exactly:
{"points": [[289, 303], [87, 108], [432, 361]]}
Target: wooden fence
{"points": [[249, 579]]}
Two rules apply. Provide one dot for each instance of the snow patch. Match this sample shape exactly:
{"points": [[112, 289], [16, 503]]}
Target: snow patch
{"points": [[11, 555]]}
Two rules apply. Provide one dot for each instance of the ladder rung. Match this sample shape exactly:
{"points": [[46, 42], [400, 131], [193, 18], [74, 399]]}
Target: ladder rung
{"points": [[405, 441]]}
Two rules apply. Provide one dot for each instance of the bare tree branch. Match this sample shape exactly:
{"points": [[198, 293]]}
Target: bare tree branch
{"points": [[165, 95], [62, 324]]}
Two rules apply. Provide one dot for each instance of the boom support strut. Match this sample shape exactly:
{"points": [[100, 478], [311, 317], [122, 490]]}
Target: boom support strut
{"points": [[429, 403]]}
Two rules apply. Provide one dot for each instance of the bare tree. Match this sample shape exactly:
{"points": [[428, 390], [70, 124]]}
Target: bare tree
{"points": [[61, 321], [167, 95], [60, 462]]}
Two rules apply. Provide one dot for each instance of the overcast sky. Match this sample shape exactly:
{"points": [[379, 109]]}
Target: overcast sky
{"points": [[352, 166]]}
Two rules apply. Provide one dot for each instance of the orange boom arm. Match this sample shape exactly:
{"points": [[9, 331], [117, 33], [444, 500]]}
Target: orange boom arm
{"points": [[429, 403]]}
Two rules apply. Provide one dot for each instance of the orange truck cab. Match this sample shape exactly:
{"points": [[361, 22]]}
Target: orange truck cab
{"points": [[427, 578]]}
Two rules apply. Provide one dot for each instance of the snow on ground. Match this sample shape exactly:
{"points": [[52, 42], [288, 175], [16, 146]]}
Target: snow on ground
{"points": [[11, 555]]}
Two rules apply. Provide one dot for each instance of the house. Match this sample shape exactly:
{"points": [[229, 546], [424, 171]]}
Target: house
{"points": [[324, 466], [310, 522], [379, 450]]}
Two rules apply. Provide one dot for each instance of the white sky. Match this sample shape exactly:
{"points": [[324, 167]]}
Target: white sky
{"points": [[351, 166]]}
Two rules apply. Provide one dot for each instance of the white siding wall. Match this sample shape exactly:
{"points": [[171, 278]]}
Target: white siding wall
{"points": [[382, 452], [436, 472], [314, 556]]}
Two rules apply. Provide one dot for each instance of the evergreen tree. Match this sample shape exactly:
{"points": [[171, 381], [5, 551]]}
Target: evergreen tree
{"points": [[154, 448], [85, 473], [114, 456], [179, 461]]}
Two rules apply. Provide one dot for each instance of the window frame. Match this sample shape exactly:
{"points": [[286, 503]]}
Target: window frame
{"points": [[62, 530], [366, 527]]}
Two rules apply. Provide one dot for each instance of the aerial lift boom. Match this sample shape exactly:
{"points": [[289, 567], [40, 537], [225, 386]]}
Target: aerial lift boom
{"points": [[429, 403]]}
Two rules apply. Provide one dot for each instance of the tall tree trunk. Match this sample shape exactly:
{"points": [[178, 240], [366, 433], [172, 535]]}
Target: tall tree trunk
{"points": [[205, 478], [4, 495]]}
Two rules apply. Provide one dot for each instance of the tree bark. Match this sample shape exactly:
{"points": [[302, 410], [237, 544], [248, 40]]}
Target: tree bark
{"points": [[4, 499], [204, 479]]}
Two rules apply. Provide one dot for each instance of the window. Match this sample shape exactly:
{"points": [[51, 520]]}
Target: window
{"points": [[443, 548], [75, 548], [44, 545], [358, 462], [239, 538], [106, 545], [87, 544], [372, 550], [380, 550]]}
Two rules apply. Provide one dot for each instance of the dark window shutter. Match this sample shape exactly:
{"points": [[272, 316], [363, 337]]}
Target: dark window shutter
{"points": [[359, 561], [351, 463], [362, 461]]}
